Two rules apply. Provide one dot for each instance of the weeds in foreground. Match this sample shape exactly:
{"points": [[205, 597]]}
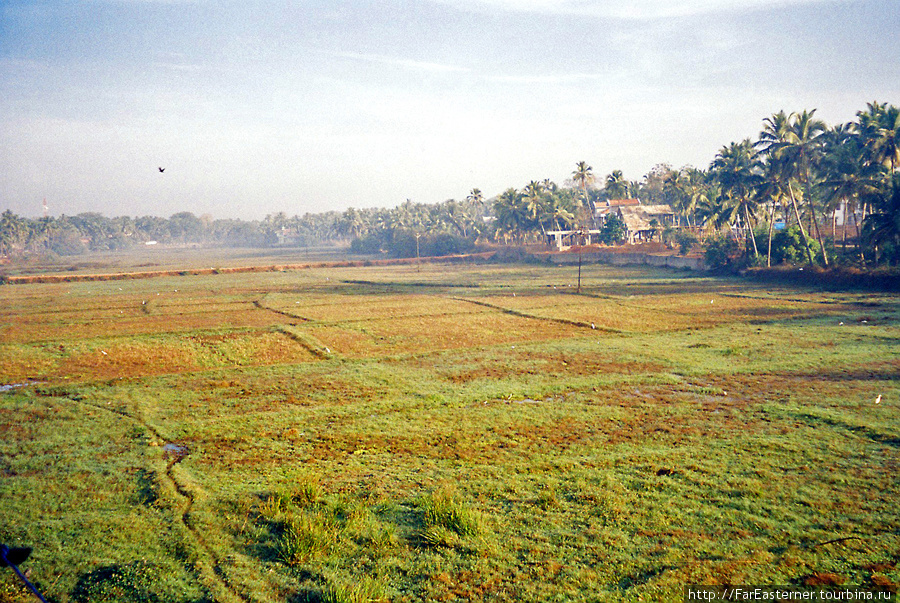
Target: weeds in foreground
{"points": [[307, 536], [365, 590], [445, 518]]}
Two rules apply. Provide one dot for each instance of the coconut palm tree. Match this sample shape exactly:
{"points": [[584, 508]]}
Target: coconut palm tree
{"points": [[738, 170], [879, 127], [773, 191], [584, 175], [689, 186], [882, 226], [616, 187], [775, 137], [848, 178], [802, 149], [535, 203], [512, 216]]}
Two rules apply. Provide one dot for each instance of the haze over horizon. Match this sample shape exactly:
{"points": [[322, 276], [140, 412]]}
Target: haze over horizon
{"points": [[258, 107]]}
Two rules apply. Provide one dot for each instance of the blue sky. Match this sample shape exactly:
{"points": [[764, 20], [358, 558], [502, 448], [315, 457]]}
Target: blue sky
{"points": [[258, 107]]}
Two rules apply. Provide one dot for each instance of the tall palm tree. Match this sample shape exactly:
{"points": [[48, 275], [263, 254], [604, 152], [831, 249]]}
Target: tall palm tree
{"points": [[737, 168], [714, 209], [802, 149], [777, 135], [879, 126], [773, 188], [848, 178], [689, 186], [535, 199], [511, 213], [584, 175], [882, 226]]}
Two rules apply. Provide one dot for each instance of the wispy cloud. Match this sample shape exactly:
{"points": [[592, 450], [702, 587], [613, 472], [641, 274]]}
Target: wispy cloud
{"points": [[548, 79], [633, 9], [399, 62]]}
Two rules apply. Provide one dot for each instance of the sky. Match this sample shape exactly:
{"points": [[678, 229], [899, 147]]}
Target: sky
{"points": [[256, 107]]}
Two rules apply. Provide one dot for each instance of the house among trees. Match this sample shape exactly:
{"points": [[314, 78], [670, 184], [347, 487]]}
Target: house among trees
{"points": [[611, 206], [643, 222]]}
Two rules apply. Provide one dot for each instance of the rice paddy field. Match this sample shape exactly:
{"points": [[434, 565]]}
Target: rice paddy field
{"points": [[467, 432]]}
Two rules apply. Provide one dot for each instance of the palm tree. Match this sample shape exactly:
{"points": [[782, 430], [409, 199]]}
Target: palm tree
{"points": [[511, 213], [882, 226], [802, 149], [584, 175], [689, 186], [737, 168], [773, 188], [715, 209], [879, 126], [616, 186], [535, 204], [775, 137], [849, 179]]}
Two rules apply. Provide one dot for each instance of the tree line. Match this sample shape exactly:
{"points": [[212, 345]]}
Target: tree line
{"points": [[770, 200]]}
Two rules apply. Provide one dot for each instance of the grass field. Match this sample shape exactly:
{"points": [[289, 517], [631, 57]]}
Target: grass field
{"points": [[466, 432]]}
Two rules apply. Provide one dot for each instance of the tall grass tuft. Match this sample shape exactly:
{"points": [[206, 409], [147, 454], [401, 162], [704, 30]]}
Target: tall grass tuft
{"points": [[366, 590], [306, 536], [441, 512], [307, 491]]}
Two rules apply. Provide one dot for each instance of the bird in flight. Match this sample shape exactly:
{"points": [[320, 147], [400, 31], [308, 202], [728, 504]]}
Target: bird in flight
{"points": [[162, 169]]}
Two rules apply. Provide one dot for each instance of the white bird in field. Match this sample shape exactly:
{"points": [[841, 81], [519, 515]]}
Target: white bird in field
{"points": [[593, 326], [878, 399]]}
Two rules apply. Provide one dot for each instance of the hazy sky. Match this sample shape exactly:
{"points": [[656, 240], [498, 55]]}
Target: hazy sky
{"points": [[255, 107]]}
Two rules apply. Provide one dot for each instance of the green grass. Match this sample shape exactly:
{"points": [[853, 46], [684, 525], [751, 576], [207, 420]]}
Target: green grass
{"points": [[441, 449]]}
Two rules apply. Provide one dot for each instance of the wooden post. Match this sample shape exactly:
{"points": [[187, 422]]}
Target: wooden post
{"points": [[579, 270], [418, 266]]}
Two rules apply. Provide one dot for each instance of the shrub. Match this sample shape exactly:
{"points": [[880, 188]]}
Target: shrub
{"points": [[788, 248], [613, 230], [685, 240], [721, 253]]}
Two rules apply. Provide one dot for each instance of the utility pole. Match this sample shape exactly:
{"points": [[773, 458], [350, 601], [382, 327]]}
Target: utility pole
{"points": [[418, 266], [579, 270]]}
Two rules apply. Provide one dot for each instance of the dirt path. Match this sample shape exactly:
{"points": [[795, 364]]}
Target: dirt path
{"points": [[209, 572]]}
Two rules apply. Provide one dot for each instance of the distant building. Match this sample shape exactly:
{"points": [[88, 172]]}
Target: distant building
{"points": [[642, 222], [564, 239], [604, 208]]}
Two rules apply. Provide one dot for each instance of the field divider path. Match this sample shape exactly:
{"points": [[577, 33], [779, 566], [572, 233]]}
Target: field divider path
{"points": [[306, 341], [521, 314], [208, 566], [259, 304]]}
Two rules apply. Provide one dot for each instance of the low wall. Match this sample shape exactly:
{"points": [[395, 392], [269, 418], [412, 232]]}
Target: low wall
{"points": [[630, 259]]}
